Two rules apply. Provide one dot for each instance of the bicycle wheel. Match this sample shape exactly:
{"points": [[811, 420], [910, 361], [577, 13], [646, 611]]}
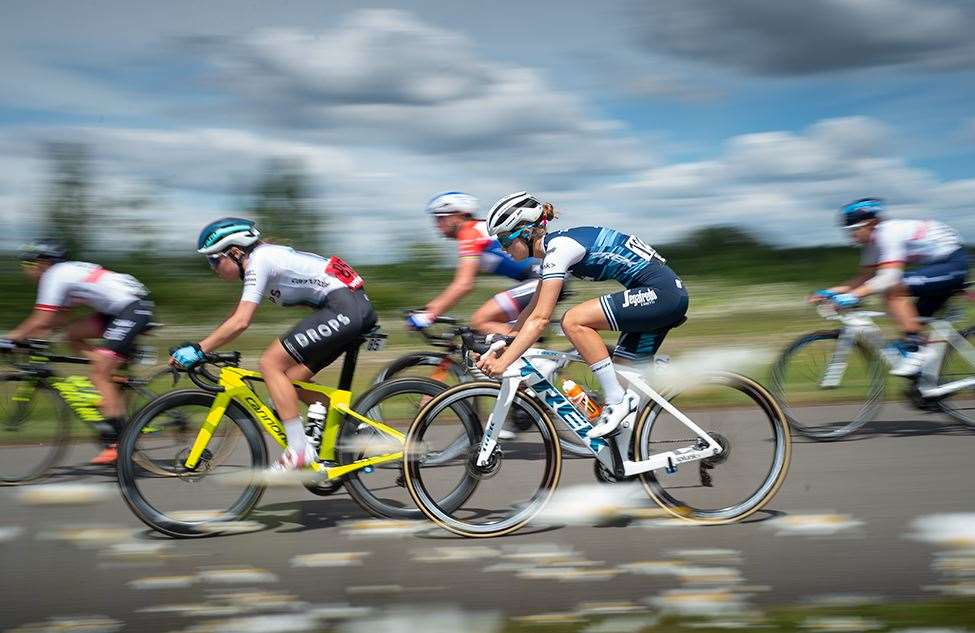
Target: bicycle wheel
{"points": [[35, 428], [796, 379], [754, 435], [381, 489], [960, 405], [514, 485], [177, 501], [438, 366]]}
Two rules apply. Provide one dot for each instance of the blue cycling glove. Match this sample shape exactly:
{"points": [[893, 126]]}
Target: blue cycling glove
{"points": [[825, 294], [846, 300], [187, 355], [419, 320]]}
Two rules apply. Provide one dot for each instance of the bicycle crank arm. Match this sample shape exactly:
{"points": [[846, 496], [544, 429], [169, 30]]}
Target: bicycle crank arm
{"points": [[669, 460]]}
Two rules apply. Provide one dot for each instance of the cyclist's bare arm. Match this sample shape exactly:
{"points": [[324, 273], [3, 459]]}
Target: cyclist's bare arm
{"points": [[462, 284], [37, 324], [523, 317], [539, 314], [880, 279], [865, 273], [230, 329]]}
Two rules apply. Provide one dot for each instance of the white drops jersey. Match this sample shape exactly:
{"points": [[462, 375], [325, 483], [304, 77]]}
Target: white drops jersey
{"points": [[910, 242], [288, 277], [68, 284]]}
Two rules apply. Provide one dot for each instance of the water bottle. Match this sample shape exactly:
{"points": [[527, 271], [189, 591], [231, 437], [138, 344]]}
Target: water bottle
{"points": [[582, 400], [315, 424]]}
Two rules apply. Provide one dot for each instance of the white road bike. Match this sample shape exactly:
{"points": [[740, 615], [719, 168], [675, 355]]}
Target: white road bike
{"points": [[714, 451], [854, 360]]}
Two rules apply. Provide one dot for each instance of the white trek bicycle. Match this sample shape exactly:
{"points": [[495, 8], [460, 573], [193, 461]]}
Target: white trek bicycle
{"points": [[712, 452], [853, 362]]}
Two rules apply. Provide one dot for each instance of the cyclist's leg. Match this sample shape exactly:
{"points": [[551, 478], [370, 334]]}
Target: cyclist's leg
{"points": [[79, 331], [495, 315]]}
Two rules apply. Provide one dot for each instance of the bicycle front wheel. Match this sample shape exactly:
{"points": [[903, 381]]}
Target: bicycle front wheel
{"points": [[34, 429], [756, 448], [381, 488], [514, 484], [179, 501], [827, 412]]}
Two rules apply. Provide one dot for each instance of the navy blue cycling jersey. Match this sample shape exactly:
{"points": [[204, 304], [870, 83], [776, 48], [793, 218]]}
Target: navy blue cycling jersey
{"points": [[598, 254]]}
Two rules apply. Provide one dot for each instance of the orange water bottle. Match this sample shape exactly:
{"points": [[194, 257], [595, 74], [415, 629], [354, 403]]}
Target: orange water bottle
{"points": [[582, 400]]}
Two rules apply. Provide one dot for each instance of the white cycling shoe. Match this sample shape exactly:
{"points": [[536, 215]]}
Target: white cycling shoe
{"points": [[912, 362], [505, 434], [614, 414]]}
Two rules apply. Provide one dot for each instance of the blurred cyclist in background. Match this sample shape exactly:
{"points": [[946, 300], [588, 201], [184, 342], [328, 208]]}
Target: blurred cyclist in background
{"points": [[330, 287], [454, 213], [937, 268], [122, 312]]}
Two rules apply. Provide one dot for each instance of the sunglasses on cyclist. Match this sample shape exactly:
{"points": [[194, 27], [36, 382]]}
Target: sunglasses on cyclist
{"points": [[506, 239], [214, 260]]}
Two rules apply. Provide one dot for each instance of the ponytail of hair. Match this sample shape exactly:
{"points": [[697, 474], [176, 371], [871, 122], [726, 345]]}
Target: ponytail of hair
{"points": [[548, 212]]}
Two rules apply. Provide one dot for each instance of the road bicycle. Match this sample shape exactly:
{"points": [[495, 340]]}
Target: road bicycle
{"points": [[37, 404], [448, 366], [712, 450], [850, 364], [204, 466]]}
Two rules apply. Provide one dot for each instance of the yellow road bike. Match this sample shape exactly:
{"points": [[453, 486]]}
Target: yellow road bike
{"points": [[202, 469]]}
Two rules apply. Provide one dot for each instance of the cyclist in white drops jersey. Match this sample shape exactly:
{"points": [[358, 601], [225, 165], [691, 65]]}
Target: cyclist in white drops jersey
{"points": [[122, 312], [330, 287], [902, 260]]}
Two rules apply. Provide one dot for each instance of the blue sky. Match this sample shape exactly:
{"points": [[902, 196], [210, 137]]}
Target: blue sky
{"points": [[655, 116]]}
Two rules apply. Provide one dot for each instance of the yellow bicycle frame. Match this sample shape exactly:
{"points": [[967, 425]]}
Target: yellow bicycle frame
{"points": [[236, 390]]}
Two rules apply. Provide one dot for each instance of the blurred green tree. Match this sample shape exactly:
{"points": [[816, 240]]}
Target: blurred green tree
{"points": [[68, 207], [282, 205]]}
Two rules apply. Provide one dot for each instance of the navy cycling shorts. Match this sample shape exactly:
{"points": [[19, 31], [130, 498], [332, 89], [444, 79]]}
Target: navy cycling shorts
{"points": [[644, 314], [934, 283]]}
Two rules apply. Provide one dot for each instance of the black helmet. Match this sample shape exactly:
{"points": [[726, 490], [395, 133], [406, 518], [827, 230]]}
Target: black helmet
{"points": [[46, 248]]}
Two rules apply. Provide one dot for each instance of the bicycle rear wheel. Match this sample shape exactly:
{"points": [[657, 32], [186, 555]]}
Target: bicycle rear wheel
{"points": [[177, 501], [381, 489], [960, 405], [743, 478], [35, 429], [442, 447], [796, 379]]}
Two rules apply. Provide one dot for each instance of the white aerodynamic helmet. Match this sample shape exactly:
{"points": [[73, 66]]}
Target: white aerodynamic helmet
{"points": [[450, 202], [512, 211]]}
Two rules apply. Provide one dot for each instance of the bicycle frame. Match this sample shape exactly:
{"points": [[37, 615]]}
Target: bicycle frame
{"points": [[859, 325], [235, 389], [610, 451]]}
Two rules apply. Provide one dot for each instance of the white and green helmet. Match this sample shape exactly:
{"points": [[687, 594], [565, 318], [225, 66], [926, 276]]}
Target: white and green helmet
{"points": [[221, 234]]}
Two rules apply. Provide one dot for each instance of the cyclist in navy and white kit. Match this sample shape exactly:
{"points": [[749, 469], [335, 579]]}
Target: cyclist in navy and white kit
{"points": [[902, 260], [122, 311], [477, 252], [653, 302], [330, 287]]}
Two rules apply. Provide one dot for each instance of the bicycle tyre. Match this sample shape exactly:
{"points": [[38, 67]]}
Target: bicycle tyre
{"points": [[128, 468], [421, 359], [867, 411], [967, 418], [356, 481], [441, 515], [770, 486], [60, 434]]}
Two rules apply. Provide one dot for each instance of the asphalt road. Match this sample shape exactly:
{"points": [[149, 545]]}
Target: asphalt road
{"points": [[844, 523]]}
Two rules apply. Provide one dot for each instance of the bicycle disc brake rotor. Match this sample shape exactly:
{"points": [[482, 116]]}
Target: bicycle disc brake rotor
{"points": [[202, 468], [489, 469]]}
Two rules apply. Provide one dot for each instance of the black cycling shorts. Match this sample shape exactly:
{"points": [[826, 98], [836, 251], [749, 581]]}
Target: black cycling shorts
{"points": [[934, 283], [123, 328], [321, 337], [644, 314]]}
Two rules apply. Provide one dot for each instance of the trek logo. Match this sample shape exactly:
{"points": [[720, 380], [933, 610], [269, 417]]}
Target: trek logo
{"points": [[557, 402], [265, 417], [639, 298], [322, 331]]}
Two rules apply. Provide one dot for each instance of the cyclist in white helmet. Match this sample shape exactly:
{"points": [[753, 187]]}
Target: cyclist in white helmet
{"points": [[454, 213], [341, 313], [653, 302]]}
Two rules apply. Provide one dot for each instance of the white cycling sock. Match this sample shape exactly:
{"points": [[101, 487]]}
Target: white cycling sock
{"points": [[606, 374], [295, 430]]}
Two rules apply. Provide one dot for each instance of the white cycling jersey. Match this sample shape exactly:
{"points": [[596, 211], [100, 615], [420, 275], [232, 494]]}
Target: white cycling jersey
{"points": [[288, 277], [68, 284], [910, 242]]}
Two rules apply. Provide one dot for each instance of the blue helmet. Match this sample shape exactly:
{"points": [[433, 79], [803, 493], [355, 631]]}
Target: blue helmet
{"points": [[860, 211], [47, 248], [221, 234]]}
